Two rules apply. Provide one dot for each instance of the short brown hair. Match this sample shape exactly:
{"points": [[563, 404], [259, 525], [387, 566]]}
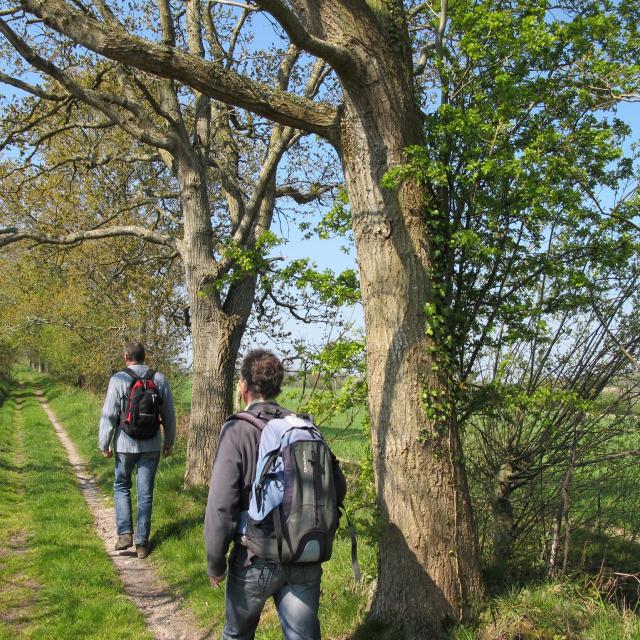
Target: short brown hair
{"points": [[263, 372], [134, 351]]}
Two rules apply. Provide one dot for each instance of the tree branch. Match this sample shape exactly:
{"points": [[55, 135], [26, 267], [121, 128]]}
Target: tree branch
{"points": [[28, 88], [315, 192], [338, 57], [88, 96], [210, 78], [11, 235]]}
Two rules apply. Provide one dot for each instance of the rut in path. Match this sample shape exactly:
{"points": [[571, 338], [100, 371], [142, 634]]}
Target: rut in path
{"points": [[162, 610]]}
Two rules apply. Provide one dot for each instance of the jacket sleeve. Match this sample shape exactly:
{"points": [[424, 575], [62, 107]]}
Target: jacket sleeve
{"points": [[110, 414], [223, 504], [167, 411]]}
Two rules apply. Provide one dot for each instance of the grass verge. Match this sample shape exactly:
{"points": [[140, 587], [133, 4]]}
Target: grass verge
{"points": [[563, 610], [57, 580]]}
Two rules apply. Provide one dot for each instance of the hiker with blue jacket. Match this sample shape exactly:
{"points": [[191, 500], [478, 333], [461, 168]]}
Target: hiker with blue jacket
{"points": [[282, 523], [138, 403]]}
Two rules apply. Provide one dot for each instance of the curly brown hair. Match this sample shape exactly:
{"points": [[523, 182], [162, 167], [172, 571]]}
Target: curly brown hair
{"points": [[263, 372]]}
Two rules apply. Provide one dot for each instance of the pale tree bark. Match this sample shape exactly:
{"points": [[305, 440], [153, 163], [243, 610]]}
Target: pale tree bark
{"points": [[562, 513], [428, 562], [429, 570]]}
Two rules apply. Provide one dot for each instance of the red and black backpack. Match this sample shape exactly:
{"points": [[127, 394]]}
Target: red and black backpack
{"points": [[140, 417]]}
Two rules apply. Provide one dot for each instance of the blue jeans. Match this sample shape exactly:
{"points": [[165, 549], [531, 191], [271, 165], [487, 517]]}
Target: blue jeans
{"points": [[295, 590], [147, 465]]}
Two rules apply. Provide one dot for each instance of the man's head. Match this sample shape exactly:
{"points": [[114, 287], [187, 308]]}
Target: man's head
{"points": [[261, 374], [134, 352]]}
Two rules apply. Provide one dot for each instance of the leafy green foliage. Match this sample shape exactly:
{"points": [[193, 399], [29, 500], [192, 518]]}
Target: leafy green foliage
{"points": [[246, 261], [532, 177], [519, 149], [334, 223], [72, 307]]}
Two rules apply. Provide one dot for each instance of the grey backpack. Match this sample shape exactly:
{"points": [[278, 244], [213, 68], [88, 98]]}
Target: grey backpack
{"points": [[298, 489]]}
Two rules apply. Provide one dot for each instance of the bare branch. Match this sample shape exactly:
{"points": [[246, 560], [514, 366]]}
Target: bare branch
{"points": [[11, 235], [229, 3], [338, 57], [412, 13], [89, 96], [612, 336], [28, 88], [168, 30], [9, 12], [610, 456], [304, 197], [235, 34], [37, 320], [210, 78]]}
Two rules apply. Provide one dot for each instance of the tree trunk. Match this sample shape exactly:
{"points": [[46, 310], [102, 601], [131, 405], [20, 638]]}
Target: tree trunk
{"points": [[429, 572], [562, 513], [502, 511], [215, 349], [216, 334]]}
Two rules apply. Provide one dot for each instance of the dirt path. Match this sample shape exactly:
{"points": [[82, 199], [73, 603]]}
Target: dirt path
{"points": [[162, 610]]}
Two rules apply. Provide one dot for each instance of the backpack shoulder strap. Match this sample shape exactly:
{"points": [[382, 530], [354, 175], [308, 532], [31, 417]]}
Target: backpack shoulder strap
{"points": [[257, 421], [149, 375], [131, 373]]}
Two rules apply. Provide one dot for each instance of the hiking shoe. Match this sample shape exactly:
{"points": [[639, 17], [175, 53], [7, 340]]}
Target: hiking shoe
{"points": [[142, 551], [124, 541]]}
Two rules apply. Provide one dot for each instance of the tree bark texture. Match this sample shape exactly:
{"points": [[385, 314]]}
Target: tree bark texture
{"points": [[216, 334], [562, 513], [428, 560], [502, 512]]}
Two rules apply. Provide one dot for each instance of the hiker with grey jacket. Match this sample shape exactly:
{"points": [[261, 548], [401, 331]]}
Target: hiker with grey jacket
{"points": [[138, 421], [267, 560]]}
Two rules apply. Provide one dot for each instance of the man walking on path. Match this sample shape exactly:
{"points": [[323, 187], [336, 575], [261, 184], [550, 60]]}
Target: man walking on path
{"points": [[252, 580], [139, 451]]}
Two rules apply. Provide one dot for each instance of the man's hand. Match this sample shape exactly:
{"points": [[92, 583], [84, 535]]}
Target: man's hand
{"points": [[107, 453], [216, 581], [167, 451]]}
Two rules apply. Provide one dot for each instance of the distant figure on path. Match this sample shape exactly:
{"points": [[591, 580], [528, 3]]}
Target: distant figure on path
{"points": [[254, 577], [138, 401]]}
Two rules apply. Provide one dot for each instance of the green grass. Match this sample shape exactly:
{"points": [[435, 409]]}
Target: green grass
{"points": [[343, 431], [548, 611], [177, 530], [564, 610], [181, 390], [57, 580]]}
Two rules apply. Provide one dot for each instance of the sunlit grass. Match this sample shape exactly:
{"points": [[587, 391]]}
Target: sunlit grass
{"points": [[566, 610], [67, 586], [559, 610]]}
